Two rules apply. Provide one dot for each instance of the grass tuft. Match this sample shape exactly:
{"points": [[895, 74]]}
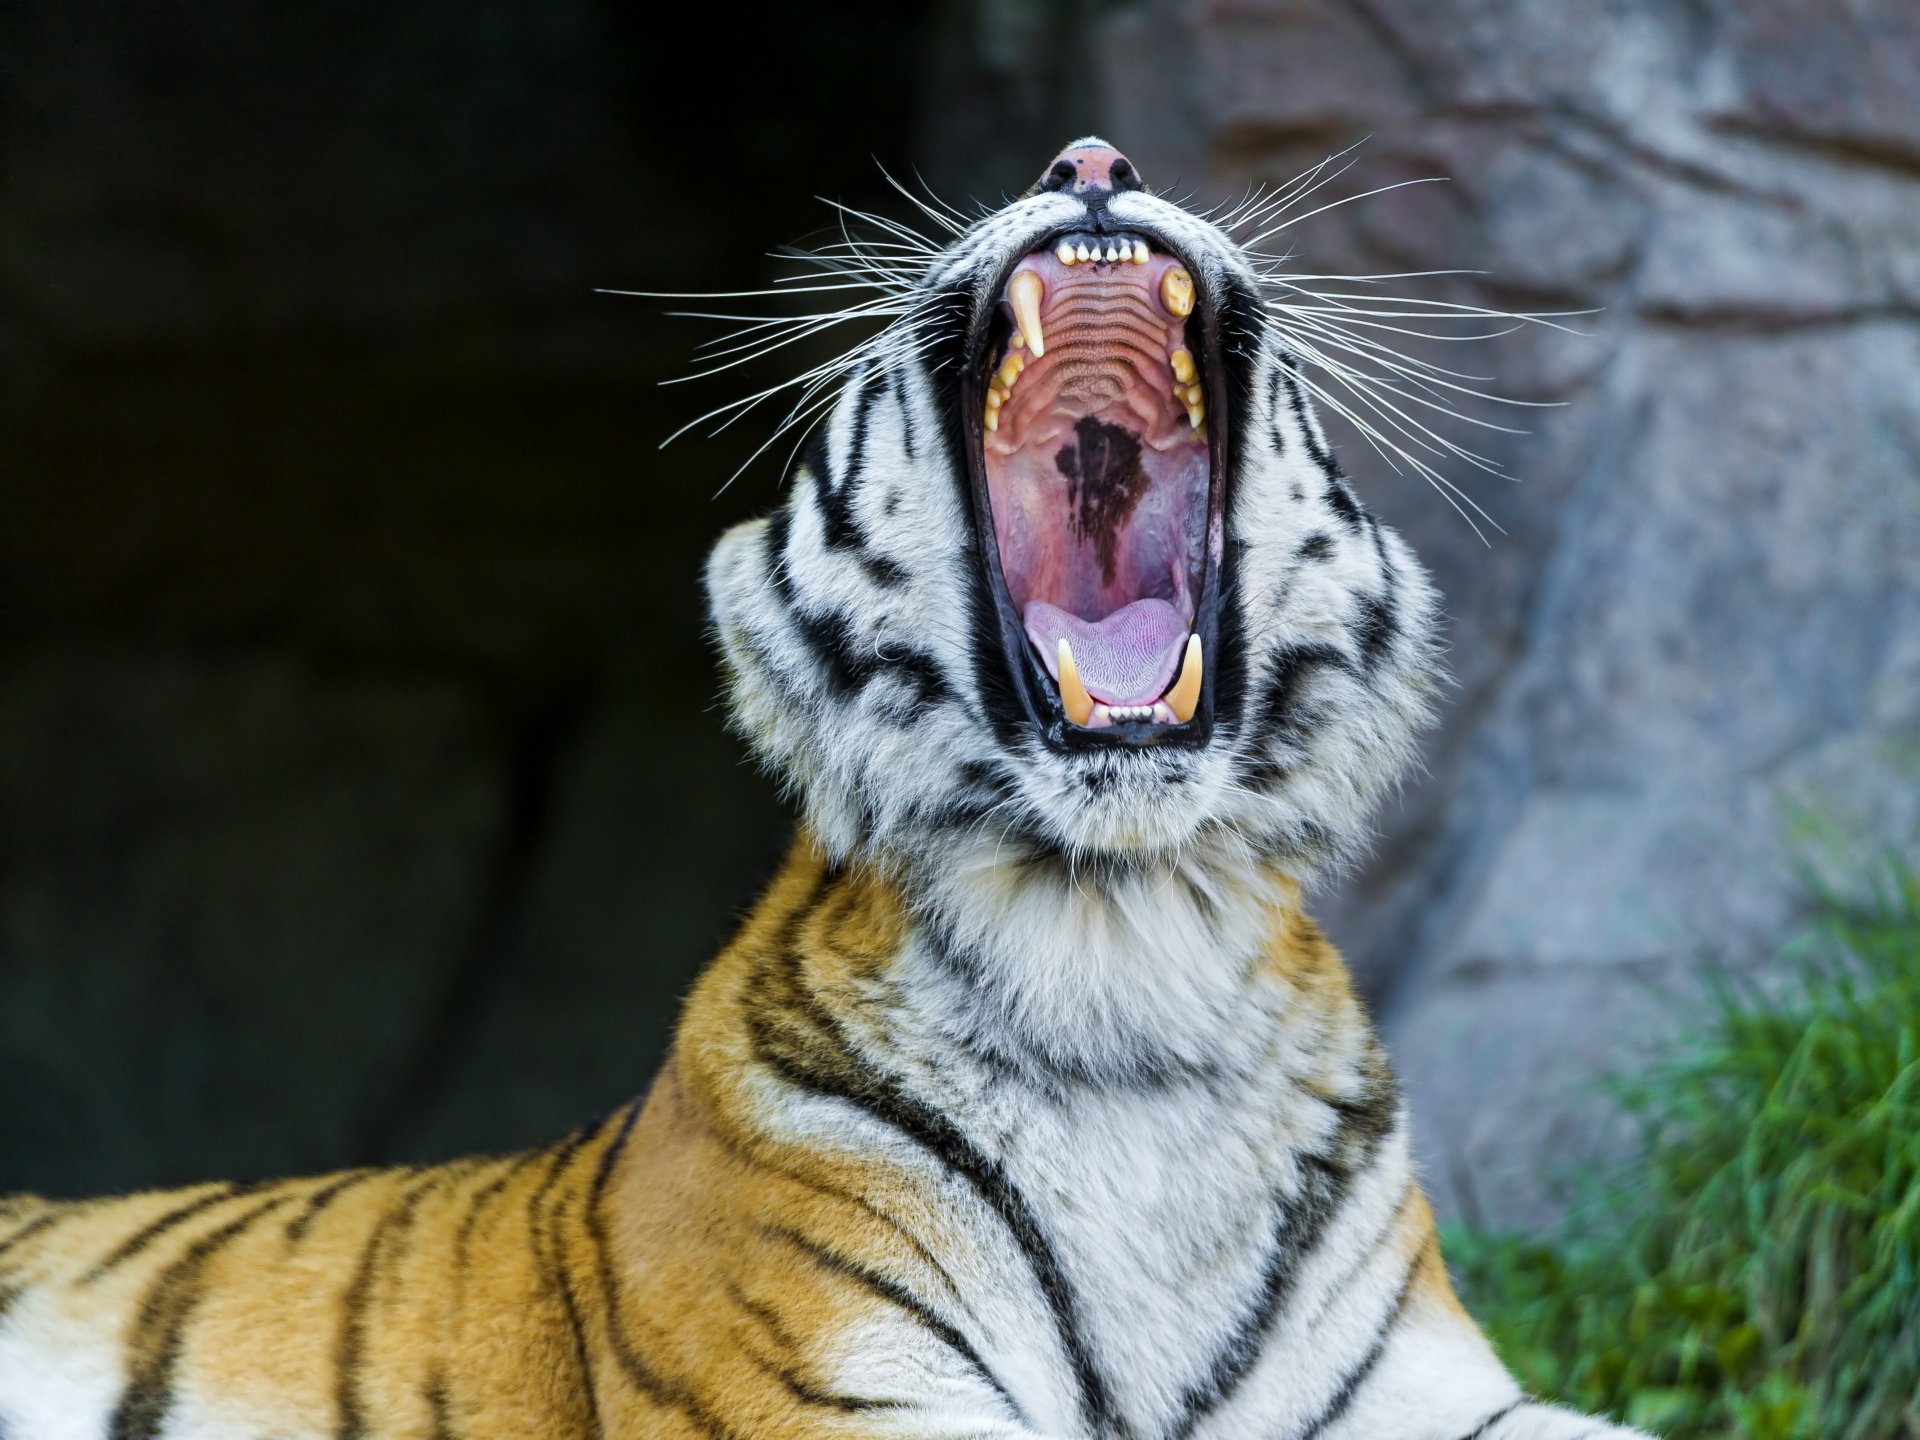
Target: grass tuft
{"points": [[1760, 1277]]}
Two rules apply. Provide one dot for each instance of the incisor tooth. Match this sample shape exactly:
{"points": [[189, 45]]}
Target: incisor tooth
{"points": [[1139, 252], [1184, 698], [1113, 252], [1082, 251], [1074, 698], [1176, 291], [1025, 293], [1182, 362], [1065, 254]]}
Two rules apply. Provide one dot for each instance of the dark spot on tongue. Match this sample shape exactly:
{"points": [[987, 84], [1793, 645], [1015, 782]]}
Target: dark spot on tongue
{"points": [[1104, 483]]}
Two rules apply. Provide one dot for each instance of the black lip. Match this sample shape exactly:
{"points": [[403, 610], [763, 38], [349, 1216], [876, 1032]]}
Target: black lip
{"points": [[1038, 695]]}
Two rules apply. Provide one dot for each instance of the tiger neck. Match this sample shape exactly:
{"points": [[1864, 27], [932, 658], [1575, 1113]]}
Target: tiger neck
{"points": [[1104, 976]]}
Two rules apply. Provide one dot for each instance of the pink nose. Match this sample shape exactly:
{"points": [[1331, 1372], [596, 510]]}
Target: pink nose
{"points": [[1089, 165]]}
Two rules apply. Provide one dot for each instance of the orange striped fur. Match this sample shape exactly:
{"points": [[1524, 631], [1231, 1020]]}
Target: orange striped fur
{"points": [[678, 1268]]}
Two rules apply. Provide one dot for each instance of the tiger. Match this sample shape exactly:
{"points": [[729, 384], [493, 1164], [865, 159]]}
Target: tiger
{"points": [[1028, 1103]]}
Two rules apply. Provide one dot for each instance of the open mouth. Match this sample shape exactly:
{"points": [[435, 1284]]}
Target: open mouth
{"points": [[1098, 439]]}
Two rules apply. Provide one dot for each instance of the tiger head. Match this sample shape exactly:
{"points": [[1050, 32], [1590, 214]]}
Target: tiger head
{"points": [[1068, 572]]}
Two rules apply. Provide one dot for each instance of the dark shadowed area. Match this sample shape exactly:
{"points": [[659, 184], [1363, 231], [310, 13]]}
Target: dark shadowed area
{"points": [[363, 794]]}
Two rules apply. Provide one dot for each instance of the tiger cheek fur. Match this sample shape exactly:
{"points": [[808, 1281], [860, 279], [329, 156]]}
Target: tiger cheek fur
{"points": [[1028, 1102]]}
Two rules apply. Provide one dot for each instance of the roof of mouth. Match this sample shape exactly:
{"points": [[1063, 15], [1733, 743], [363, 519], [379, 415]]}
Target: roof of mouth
{"points": [[1097, 466]]}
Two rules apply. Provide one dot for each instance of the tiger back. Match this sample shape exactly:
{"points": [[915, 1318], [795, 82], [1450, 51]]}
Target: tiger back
{"points": [[1028, 1102]]}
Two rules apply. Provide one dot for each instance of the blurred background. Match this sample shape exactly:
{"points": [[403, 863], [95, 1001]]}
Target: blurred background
{"points": [[363, 794]]}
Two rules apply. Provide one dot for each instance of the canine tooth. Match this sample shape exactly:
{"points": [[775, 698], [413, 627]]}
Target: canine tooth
{"points": [[1176, 291], [1082, 251], [1074, 698], [1065, 254], [1183, 369], [1184, 698], [1025, 292], [1139, 252]]}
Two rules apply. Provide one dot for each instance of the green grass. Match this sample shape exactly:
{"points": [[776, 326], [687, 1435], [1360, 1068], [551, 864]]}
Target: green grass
{"points": [[1760, 1275]]}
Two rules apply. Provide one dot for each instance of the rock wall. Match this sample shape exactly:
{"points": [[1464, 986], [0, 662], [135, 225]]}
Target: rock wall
{"points": [[1692, 663]]}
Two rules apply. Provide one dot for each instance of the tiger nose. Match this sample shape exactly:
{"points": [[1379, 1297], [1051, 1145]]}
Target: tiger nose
{"points": [[1090, 165]]}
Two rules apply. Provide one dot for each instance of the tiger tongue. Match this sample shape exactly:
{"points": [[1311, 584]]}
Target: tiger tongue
{"points": [[1128, 658]]}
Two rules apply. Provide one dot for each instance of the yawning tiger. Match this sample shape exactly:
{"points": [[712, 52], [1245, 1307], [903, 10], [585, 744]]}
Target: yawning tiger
{"points": [[1028, 1102]]}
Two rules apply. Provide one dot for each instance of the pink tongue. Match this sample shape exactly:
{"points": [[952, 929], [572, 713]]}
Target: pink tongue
{"points": [[1125, 659]]}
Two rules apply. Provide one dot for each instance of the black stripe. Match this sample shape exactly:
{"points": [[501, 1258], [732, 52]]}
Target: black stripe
{"points": [[1485, 1427], [833, 494], [1379, 621], [1279, 713], [1300, 1223], [779, 532], [1344, 503], [1229, 656], [1297, 402], [845, 1197], [1034, 1065], [147, 1234], [662, 1390], [849, 670], [542, 1236], [1317, 546], [483, 1197], [1350, 1387], [1338, 494], [32, 1228], [803, 1390], [864, 395], [828, 636], [898, 1295], [1242, 334], [1374, 629], [349, 1351], [1275, 409], [298, 1226], [881, 1096], [984, 790], [766, 1315], [896, 382], [439, 1407], [160, 1331]]}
